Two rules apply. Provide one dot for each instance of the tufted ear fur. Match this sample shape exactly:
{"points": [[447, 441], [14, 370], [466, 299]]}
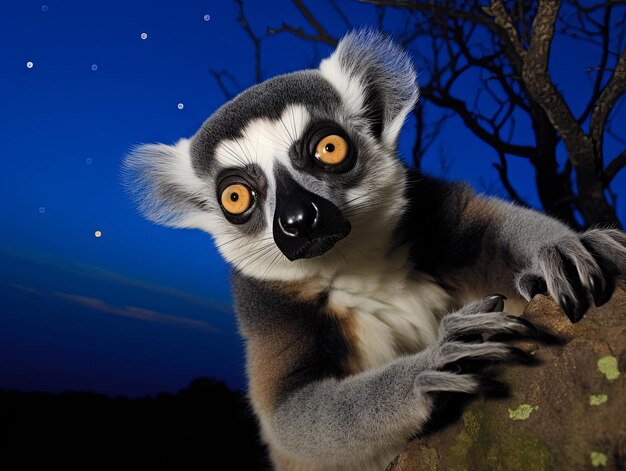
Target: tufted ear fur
{"points": [[376, 80], [164, 185]]}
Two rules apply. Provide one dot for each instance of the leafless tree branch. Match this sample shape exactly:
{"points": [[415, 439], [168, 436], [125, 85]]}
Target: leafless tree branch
{"points": [[322, 35], [504, 21], [219, 77], [614, 167], [508, 43], [469, 118], [340, 13], [503, 173], [256, 40], [612, 91], [600, 70]]}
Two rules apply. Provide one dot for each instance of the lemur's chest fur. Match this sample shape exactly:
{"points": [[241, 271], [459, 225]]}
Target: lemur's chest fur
{"points": [[394, 315], [388, 308]]}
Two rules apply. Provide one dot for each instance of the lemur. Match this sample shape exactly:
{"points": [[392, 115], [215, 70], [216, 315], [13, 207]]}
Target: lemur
{"points": [[356, 278]]}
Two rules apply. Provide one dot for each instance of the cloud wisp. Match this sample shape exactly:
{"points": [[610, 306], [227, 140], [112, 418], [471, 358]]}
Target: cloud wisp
{"points": [[132, 312], [84, 270], [140, 313]]}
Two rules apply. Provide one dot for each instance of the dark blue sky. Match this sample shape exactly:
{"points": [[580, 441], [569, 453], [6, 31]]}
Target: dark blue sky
{"points": [[144, 308]]}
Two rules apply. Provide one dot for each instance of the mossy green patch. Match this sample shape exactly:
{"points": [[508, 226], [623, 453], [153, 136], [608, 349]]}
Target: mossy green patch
{"points": [[523, 453], [597, 399], [522, 412], [597, 459], [429, 459], [482, 443], [608, 367], [469, 434]]}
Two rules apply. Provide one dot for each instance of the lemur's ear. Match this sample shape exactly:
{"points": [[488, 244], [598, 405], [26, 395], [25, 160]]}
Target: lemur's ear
{"points": [[164, 185], [376, 80]]}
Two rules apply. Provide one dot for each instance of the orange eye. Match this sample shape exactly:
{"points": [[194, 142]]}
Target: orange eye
{"points": [[332, 150], [236, 198]]}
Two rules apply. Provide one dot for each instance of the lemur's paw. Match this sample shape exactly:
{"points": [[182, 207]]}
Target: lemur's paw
{"points": [[447, 381], [576, 269], [445, 366], [440, 381], [450, 355], [483, 317]]}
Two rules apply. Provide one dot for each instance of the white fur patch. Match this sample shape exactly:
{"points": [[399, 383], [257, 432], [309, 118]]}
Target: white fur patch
{"points": [[393, 307], [264, 141], [153, 170], [365, 59], [349, 87]]}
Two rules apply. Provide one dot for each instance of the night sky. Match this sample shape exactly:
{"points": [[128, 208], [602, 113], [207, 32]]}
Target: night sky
{"points": [[142, 308]]}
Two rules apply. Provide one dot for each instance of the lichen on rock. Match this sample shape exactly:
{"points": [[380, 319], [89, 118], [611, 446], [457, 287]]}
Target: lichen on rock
{"points": [[607, 365], [522, 412], [567, 412], [597, 459], [598, 399]]}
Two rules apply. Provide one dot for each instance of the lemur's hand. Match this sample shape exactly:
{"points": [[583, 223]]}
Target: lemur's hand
{"points": [[441, 362], [575, 269]]}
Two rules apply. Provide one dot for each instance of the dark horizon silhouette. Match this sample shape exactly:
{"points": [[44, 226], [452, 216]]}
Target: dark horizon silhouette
{"points": [[191, 429]]}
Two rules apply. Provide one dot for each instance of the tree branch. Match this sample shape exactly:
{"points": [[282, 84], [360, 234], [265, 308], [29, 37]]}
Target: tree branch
{"points": [[604, 57], [503, 173], [342, 15], [539, 84], [322, 35], [459, 107], [612, 91], [614, 167], [219, 78], [243, 21], [433, 8], [425, 134], [504, 21]]}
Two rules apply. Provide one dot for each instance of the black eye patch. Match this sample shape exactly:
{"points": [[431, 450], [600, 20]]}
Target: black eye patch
{"points": [[237, 197], [241, 193], [324, 146]]}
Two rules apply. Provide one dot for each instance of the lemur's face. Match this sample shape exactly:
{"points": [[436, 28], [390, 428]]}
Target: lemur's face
{"points": [[296, 176]]}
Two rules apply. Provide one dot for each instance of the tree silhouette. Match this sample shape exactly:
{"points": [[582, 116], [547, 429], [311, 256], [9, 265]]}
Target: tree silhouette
{"points": [[508, 43], [194, 429]]}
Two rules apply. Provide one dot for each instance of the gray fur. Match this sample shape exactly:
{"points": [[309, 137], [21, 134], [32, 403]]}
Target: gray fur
{"points": [[147, 175], [265, 100], [387, 74], [610, 245], [341, 422]]}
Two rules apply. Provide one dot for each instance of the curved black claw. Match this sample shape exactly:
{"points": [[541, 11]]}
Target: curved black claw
{"points": [[531, 331], [497, 300], [574, 308], [573, 311], [529, 325], [597, 286]]}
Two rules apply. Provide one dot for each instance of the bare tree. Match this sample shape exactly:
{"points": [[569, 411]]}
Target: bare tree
{"points": [[509, 43]]}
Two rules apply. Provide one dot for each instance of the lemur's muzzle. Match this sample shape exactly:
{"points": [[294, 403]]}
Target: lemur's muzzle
{"points": [[305, 224]]}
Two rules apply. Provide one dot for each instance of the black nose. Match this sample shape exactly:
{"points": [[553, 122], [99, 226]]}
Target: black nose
{"points": [[297, 217], [305, 225]]}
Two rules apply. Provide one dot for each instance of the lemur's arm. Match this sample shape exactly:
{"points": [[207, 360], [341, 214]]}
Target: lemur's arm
{"points": [[486, 239], [314, 406]]}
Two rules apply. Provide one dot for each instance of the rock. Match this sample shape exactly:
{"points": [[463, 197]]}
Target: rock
{"points": [[568, 412]]}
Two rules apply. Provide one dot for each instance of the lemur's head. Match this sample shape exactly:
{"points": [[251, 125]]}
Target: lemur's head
{"points": [[298, 175]]}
